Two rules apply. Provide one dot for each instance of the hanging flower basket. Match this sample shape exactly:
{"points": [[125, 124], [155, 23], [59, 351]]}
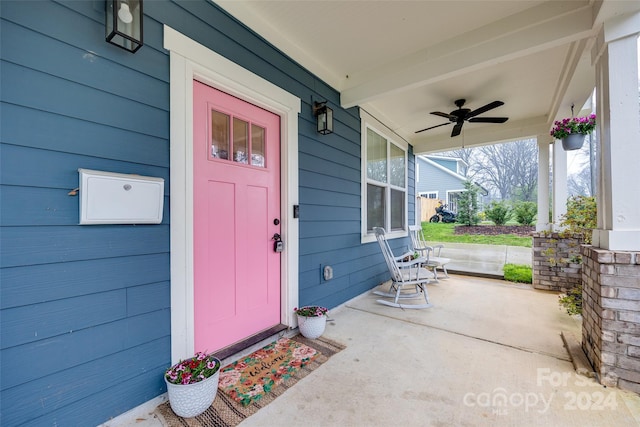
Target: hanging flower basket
{"points": [[192, 384], [573, 141], [312, 321], [573, 130]]}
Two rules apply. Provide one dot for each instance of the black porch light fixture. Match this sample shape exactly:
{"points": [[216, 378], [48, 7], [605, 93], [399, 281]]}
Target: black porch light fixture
{"points": [[324, 115], [123, 26]]}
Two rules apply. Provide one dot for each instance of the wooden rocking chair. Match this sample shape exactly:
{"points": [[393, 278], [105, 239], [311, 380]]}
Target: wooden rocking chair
{"points": [[403, 274], [432, 253]]}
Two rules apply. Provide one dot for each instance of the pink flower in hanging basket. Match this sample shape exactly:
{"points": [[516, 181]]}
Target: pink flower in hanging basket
{"points": [[582, 125]]}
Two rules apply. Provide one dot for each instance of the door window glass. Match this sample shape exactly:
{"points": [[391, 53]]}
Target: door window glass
{"points": [[240, 141], [257, 145], [245, 140], [219, 135]]}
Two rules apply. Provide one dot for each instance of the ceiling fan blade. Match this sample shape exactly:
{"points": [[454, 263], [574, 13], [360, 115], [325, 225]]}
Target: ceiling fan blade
{"points": [[457, 129], [445, 115], [432, 127], [489, 120], [489, 106]]}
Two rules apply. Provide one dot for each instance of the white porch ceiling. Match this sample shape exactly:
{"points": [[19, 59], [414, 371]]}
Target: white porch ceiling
{"points": [[400, 60]]}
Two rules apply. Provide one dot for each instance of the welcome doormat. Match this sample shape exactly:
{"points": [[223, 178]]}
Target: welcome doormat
{"points": [[248, 379], [257, 380]]}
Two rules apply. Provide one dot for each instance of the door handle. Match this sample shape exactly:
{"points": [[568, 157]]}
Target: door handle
{"points": [[278, 244]]}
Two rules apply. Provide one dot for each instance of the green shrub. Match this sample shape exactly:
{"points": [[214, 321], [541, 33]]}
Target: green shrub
{"points": [[581, 217], [525, 212], [498, 212], [572, 301], [517, 273], [468, 205]]}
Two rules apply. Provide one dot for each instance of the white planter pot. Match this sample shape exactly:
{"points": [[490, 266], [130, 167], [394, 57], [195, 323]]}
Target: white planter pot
{"points": [[190, 400], [312, 327]]}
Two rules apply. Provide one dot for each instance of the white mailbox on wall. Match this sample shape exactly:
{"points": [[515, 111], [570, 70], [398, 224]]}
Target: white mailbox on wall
{"points": [[115, 198]]}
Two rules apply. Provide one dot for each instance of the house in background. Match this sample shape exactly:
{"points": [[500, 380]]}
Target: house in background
{"points": [[441, 179]]}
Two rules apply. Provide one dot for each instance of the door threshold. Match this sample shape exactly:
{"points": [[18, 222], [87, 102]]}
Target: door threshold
{"points": [[240, 346]]}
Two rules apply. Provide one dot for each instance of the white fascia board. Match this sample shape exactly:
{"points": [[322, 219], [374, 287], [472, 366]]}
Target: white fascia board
{"points": [[457, 159]]}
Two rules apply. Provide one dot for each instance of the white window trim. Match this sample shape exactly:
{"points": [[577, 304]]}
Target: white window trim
{"points": [[451, 192], [427, 193], [190, 60], [368, 121]]}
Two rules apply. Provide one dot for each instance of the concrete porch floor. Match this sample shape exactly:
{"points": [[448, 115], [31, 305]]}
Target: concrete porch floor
{"points": [[487, 353]]}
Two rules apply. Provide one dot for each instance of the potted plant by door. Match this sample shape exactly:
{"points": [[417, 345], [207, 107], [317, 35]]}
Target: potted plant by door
{"points": [[192, 384], [312, 320], [573, 130]]}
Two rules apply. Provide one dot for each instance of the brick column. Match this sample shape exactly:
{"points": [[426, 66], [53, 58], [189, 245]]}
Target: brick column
{"points": [[556, 261], [611, 315]]}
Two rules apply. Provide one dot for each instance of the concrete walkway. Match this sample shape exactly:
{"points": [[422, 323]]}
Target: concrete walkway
{"points": [[486, 260], [487, 353]]}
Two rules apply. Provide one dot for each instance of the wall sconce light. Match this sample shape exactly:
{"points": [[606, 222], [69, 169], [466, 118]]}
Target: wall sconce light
{"points": [[124, 24], [324, 115]]}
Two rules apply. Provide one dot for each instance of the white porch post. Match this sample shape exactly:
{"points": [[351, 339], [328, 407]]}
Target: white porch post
{"points": [[616, 61], [543, 183], [559, 184]]}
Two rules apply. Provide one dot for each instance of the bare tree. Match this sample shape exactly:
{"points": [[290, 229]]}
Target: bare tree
{"points": [[525, 170], [579, 183], [510, 170]]}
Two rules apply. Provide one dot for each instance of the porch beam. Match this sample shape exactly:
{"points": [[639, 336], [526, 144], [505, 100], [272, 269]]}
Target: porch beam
{"points": [[509, 131], [542, 27]]}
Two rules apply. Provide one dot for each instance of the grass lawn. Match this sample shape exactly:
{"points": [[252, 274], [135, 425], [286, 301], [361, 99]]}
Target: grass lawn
{"points": [[440, 232]]}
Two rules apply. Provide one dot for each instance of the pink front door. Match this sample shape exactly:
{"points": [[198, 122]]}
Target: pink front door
{"points": [[236, 200]]}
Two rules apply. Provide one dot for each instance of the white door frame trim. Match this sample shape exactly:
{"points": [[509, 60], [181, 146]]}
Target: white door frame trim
{"points": [[190, 60]]}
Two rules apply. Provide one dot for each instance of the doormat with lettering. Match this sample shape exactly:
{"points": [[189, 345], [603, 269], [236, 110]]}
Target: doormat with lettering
{"points": [[226, 411], [248, 379]]}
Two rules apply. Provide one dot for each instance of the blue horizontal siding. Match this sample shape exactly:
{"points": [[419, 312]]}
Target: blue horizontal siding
{"points": [[38, 398], [23, 166], [328, 167], [35, 322], [107, 404], [69, 135], [327, 152], [74, 100], [42, 245], [434, 179], [351, 255], [72, 349], [42, 53], [323, 196], [35, 284], [328, 227]]}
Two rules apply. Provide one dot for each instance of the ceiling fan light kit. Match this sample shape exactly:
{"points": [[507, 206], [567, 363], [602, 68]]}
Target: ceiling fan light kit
{"points": [[459, 116]]}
